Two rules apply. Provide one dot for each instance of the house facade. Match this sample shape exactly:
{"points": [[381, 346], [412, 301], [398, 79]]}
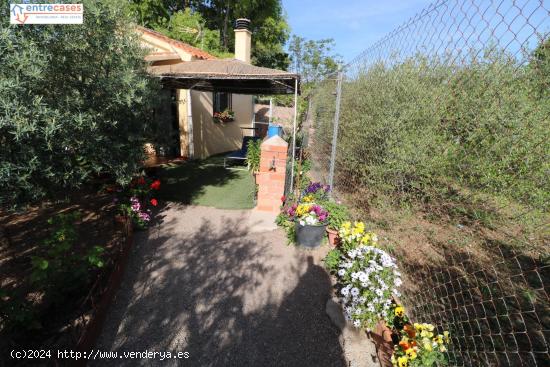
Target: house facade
{"points": [[187, 115]]}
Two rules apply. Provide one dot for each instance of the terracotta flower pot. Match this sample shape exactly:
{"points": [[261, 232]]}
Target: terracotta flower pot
{"points": [[382, 337], [333, 238]]}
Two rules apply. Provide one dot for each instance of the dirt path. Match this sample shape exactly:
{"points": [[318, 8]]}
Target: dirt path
{"points": [[204, 281]]}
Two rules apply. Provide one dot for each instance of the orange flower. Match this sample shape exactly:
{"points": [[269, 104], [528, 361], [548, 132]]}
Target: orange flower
{"points": [[404, 345], [409, 329]]}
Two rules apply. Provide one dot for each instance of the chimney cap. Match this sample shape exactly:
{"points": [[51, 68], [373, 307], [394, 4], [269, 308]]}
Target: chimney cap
{"points": [[242, 23]]}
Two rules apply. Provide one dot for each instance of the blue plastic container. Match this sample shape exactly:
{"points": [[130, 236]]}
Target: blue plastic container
{"points": [[273, 130]]}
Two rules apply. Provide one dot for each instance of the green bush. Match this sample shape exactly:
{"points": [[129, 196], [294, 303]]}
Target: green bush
{"points": [[75, 101], [338, 213], [253, 155], [423, 128], [62, 267]]}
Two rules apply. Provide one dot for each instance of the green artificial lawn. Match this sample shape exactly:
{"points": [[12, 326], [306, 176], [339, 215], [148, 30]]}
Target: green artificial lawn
{"points": [[208, 183]]}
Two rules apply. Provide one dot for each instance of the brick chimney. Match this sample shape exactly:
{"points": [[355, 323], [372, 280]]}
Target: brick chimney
{"points": [[243, 40]]}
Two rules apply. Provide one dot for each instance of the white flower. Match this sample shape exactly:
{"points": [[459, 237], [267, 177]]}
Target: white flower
{"points": [[354, 291], [397, 282], [345, 291], [357, 323], [341, 272]]}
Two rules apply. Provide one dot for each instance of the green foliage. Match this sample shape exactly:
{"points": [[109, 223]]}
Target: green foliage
{"points": [[313, 59], [425, 130], [283, 221], [16, 313], [74, 102], [332, 260], [209, 25], [253, 155], [338, 213], [190, 27], [62, 268]]}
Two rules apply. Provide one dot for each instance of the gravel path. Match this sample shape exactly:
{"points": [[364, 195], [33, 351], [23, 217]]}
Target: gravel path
{"points": [[203, 282]]}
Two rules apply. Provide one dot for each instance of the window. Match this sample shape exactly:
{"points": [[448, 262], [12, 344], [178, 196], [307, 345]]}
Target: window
{"points": [[222, 101]]}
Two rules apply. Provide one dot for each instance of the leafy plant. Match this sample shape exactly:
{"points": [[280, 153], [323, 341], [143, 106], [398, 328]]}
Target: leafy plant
{"points": [[338, 214], [285, 222], [253, 155], [62, 268], [332, 260]]}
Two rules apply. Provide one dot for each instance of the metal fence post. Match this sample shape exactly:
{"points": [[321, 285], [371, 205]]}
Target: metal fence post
{"points": [[335, 131]]}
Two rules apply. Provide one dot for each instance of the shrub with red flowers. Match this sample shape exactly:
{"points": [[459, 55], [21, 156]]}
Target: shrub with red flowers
{"points": [[136, 201]]}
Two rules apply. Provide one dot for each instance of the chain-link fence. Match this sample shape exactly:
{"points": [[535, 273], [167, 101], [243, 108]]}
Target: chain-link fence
{"points": [[443, 144]]}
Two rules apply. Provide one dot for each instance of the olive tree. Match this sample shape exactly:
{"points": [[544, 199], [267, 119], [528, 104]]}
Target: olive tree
{"points": [[75, 102]]}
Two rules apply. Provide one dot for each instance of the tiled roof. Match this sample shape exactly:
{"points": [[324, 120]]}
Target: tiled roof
{"points": [[196, 52]]}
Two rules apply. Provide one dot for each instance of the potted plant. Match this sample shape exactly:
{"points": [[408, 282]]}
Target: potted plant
{"points": [[310, 224], [338, 214], [225, 116]]}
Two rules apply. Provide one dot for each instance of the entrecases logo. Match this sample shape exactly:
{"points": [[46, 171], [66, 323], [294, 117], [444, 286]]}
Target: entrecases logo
{"points": [[46, 13]]}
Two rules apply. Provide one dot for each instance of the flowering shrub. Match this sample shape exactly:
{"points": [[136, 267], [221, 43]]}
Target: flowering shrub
{"points": [[419, 346], [315, 192], [354, 236], [308, 214], [369, 278], [136, 200]]}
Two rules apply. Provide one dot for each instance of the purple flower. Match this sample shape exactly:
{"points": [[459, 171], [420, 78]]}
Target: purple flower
{"points": [[144, 216]]}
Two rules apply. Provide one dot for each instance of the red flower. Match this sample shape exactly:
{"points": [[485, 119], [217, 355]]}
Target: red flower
{"points": [[155, 185], [141, 181], [283, 198], [154, 202]]}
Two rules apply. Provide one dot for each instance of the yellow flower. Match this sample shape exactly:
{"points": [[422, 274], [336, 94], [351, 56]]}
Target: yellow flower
{"points": [[439, 339], [446, 336], [426, 334], [418, 327], [427, 344], [442, 349], [399, 311], [411, 353], [307, 199], [393, 360], [358, 228], [302, 209], [403, 361]]}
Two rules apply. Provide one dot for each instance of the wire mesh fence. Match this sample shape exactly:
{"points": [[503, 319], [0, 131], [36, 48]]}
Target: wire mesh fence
{"points": [[449, 117]]}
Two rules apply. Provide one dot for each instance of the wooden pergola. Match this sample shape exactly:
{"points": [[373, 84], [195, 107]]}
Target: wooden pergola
{"points": [[231, 76]]}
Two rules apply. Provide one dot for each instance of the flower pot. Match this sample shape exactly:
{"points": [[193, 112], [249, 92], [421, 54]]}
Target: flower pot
{"points": [[310, 236], [382, 336], [333, 238]]}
